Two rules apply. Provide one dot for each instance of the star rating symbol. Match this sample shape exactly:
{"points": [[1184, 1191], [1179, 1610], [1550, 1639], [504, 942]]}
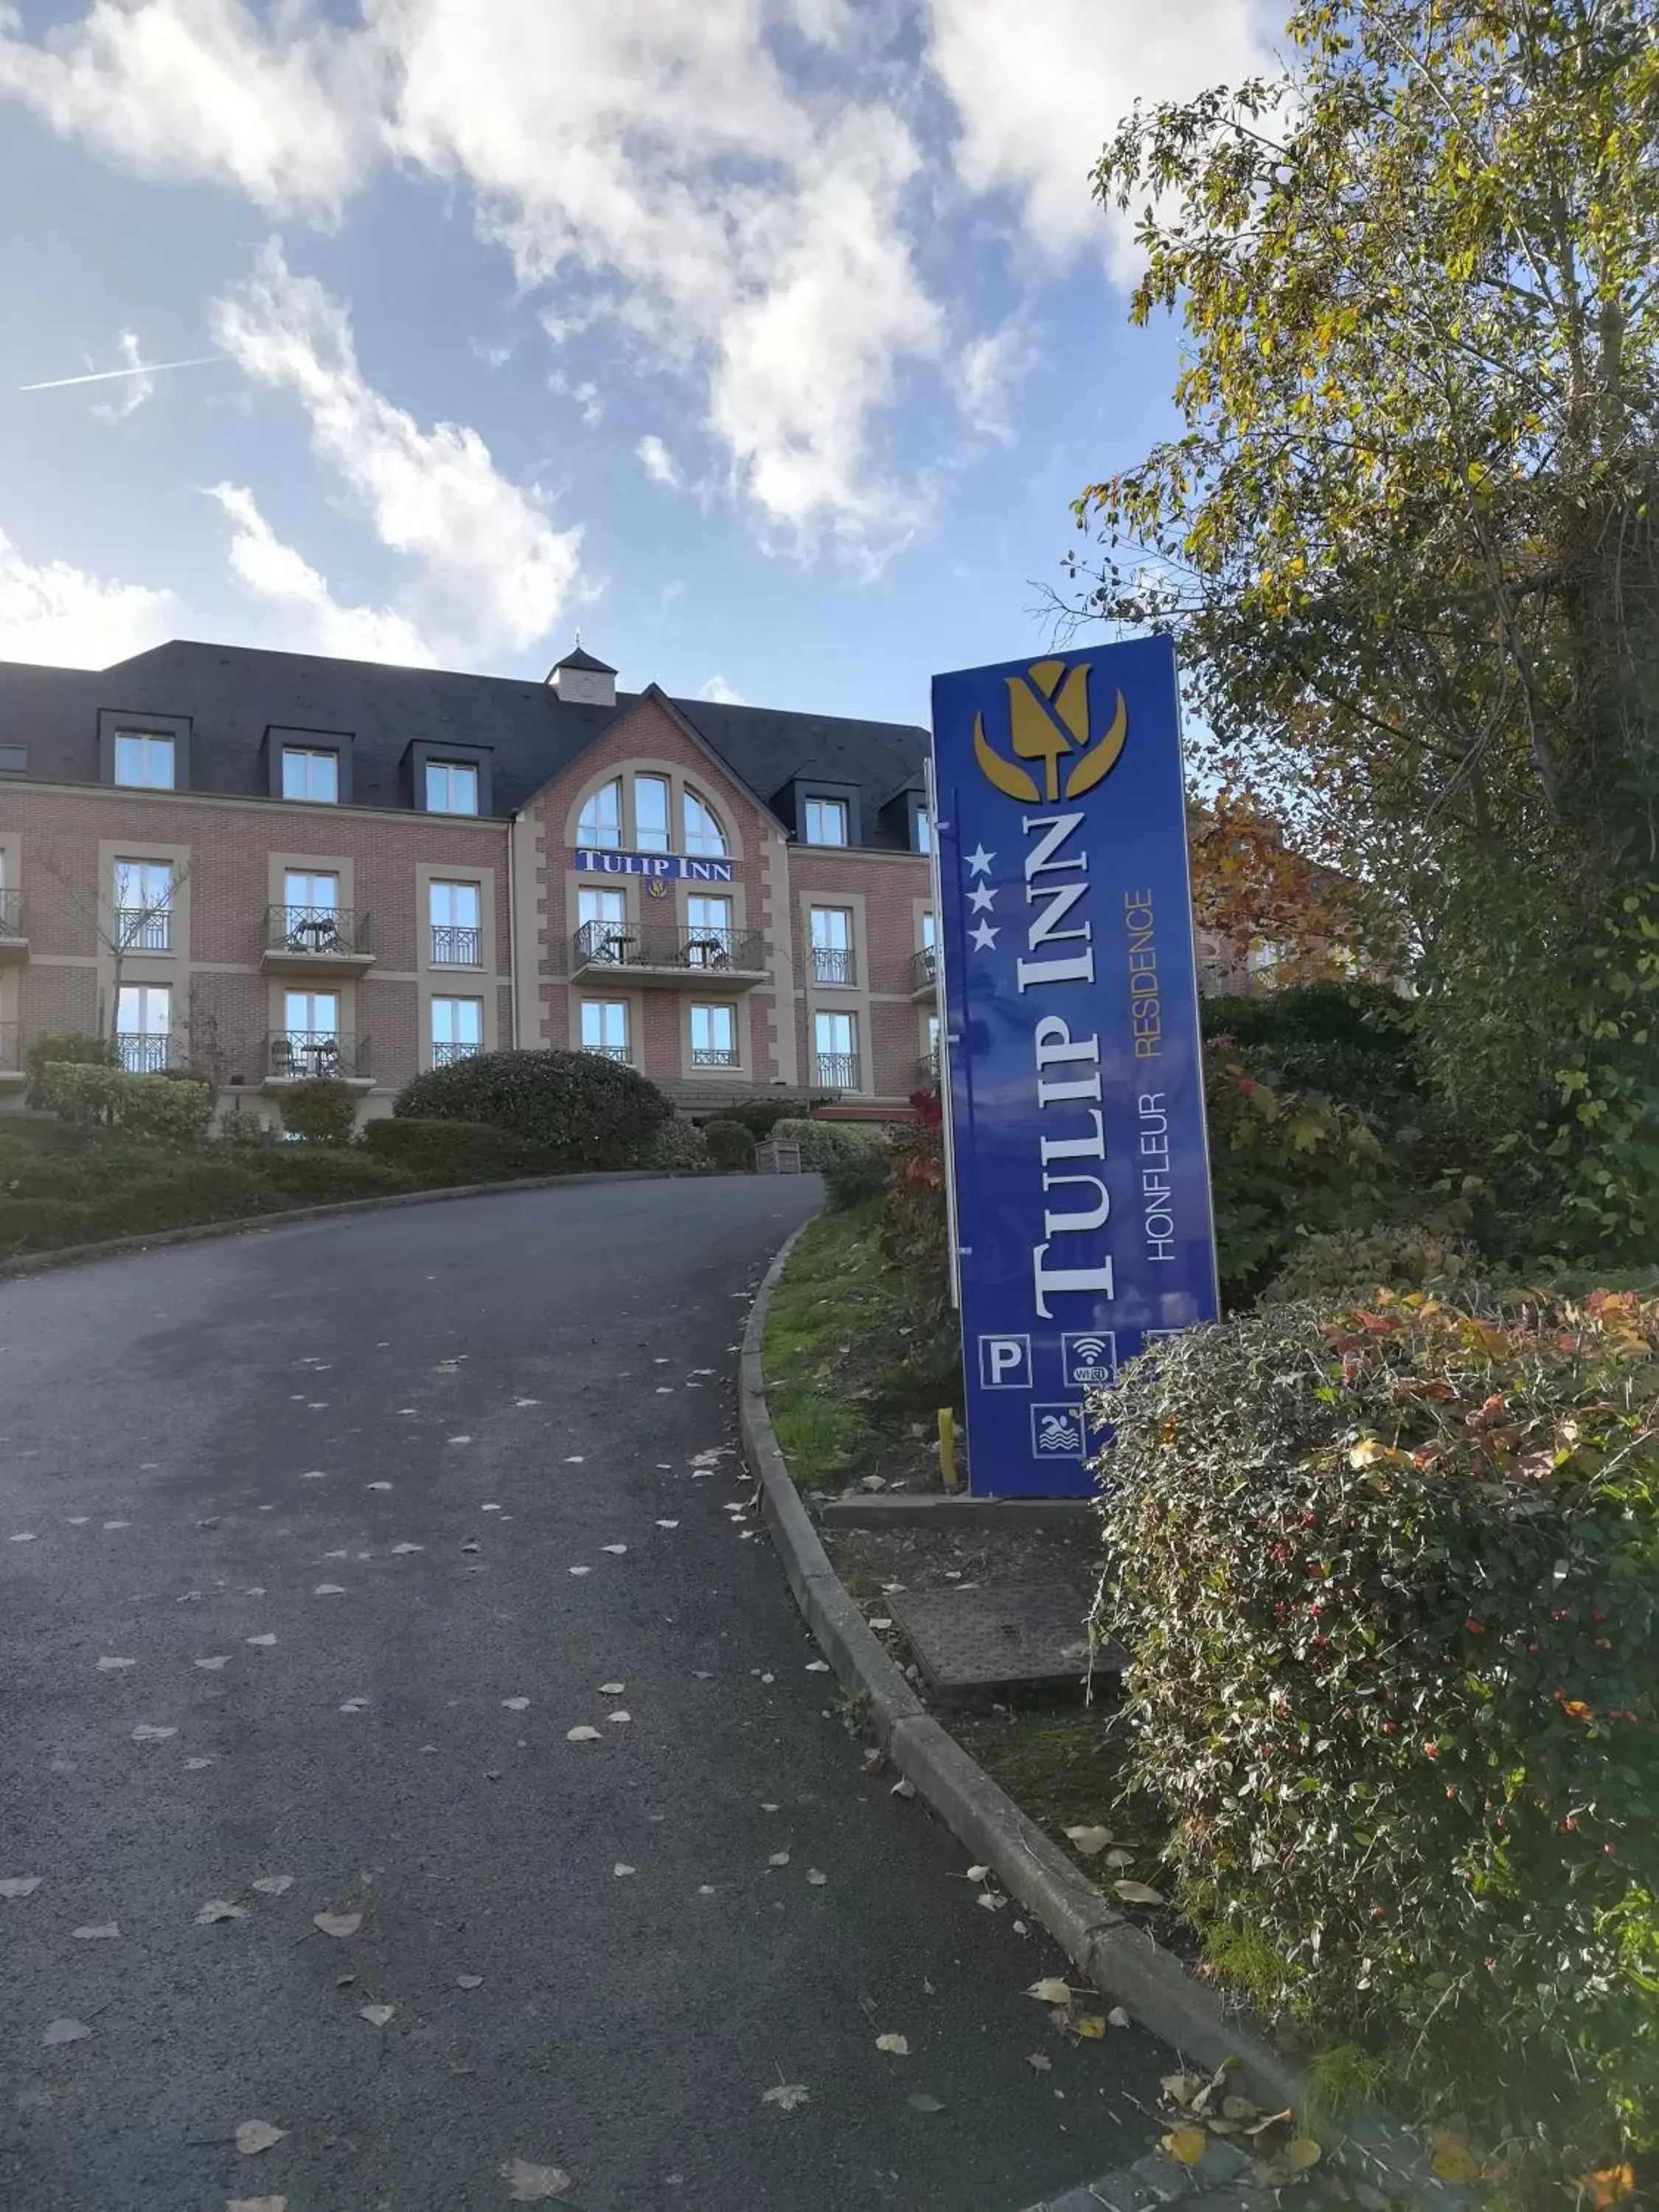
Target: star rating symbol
{"points": [[979, 861], [983, 938], [982, 898]]}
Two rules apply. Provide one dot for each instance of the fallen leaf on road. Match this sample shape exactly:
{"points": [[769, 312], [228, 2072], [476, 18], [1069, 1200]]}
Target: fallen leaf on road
{"points": [[978, 1873], [355, 1705], [330, 1589], [29, 1536], [338, 1924], [1120, 1858], [255, 2135], [469, 1981], [788, 2096], [212, 1666], [1452, 2161], [581, 1570], [701, 1674], [612, 1689], [147, 1732], [376, 2016], [1138, 1892], [377, 1486], [534, 2184], [218, 1909], [1181, 2089], [1089, 2026], [108, 1524], [668, 1524], [1118, 2018], [399, 1550], [114, 1666], [315, 1474], [195, 1765], [817, 1666], [817, 1877], [1090, 1840], [1238, 2108], [1039, 2062], [894, 2044], [470, 1545], [582, 1735], [460, 1440], [1186, 2146], [614, 1550], [66, 2030], [256, 2204], [1051, 1990], [923, 2103], [516, 1705], [102, 1931], [779, 1858], [19, 1885], [263, 1642], [1303, 2151], [620, 1718], [620, 1870], [273, 1885], [904, 1789]]}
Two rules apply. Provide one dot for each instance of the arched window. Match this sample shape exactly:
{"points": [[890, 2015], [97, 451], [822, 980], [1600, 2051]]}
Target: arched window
{"points": [[704, 836], [599, 822]]}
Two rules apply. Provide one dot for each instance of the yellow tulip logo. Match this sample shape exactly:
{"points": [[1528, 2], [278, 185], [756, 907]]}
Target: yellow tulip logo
{"points": [[1049, 720]]}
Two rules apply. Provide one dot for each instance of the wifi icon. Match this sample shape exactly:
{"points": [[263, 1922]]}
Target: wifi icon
{"points": [[1089, 1359]]}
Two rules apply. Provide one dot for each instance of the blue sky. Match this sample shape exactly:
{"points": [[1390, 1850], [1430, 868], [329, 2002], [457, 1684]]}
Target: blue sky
{"points": [[766, 341]]}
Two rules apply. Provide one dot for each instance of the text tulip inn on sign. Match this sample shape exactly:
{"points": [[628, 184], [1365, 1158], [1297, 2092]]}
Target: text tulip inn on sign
{"points": [[1081, 1179]]}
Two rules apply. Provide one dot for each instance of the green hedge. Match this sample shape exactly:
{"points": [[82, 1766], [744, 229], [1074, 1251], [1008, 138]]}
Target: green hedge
{"points": [[1390, 1577], [821, 1141], [71, 1045], [439, 1152], [730, 1147], [324, 1174], [680, 1144], [586, 1112], [1353, 1042], [323, 1111], [162, 1109]]}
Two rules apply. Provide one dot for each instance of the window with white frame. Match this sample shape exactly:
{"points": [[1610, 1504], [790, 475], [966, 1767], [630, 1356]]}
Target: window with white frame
{"points": [[457, 1029], [704, 837], [144, 1027], [311, 774], [604, 1027], [831, 929], [602, 925], [144, 760], [311, 911], [309, 1044], [599, 822], [707, 932], [455, 912], [143, 906], [451, 787], [825, 820], [651, 814], [835, 1051], [713, 1036]]}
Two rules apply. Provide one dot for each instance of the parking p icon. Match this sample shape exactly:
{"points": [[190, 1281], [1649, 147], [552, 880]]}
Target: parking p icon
{"points": [[1004, 1362]]}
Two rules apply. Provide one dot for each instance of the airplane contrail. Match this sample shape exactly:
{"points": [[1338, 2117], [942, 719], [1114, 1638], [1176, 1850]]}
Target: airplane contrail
{"points": [[138, 369]]}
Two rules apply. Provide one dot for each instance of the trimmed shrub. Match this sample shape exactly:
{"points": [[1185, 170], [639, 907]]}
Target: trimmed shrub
{"points": [[761, 1115], [821, 1141], [440, 1152], [162, 1110], [323, 1111], [317, 1175], [853, 1173], [1353, 1042], [731, 1148], [1390, 1577], [1355, 1262], [680, 1144], [73, 1046], [586, 1111], [85, 1093]]}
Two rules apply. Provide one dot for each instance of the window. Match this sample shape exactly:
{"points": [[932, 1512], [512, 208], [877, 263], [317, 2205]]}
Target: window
{"points": [[309, 1043], [312, 1013], [650, 813], [599, 822], [144, 760], [703, 834], [708, 933], [314, 894], [930, 1066], [144, 1027], [602, 925], [457, 1029], [835, 1052], [456, 916], [311, 776], [451, 787], [604, 1027], [924, 823], [826, 821], [713, 1036], [832, 945], [143, 906]]}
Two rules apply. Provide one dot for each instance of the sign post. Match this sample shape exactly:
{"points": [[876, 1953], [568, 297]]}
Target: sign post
{"points": [[1082, 1216]]}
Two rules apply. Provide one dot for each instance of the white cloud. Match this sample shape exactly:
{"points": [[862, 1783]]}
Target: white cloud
{"points": [[68, 619], [658, 462], [988, 369], [135, 389], [583, 393], [721, 694], [1038, 89], [276, 573], [490, 569]]}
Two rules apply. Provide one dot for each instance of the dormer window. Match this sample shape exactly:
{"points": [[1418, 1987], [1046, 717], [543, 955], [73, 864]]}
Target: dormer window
{"points": [[824, 821]]}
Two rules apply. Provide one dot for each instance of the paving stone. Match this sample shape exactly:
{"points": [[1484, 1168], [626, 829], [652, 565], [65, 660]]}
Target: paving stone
{"points": [[1162, 2177]]}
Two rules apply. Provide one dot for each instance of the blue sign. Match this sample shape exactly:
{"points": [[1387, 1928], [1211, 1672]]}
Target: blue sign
{"points": [[1080, 1171], [595, 860]]}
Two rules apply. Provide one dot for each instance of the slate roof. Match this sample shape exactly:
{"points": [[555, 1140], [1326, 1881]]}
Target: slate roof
{"points": [[233, 694]]}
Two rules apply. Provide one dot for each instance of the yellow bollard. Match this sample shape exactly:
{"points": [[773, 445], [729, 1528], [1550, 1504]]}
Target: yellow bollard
{"points": [[947, 1449]]}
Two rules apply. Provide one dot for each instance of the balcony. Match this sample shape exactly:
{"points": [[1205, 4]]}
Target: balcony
{"points": [[445, 1056], [143, 1055], [927, 1071], [680, 959], [13, 1072], [836, 1071], [834, 963], [924, 974], [714, 1055], [619, 1052], [143, 929], [457, 944], [316, 940], [14, 935], [313, 1055]]}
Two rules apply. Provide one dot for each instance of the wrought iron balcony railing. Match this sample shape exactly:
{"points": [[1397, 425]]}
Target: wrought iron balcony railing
{"points": [[319, 929], [305, 1055], [11, 914], [443, 1054], [457, 944], [614, 945], [714, 1055], [836, 1071], [618, 1052], [11, 1049], [144, 928], [834, 963], [924, 969], [143, 1055]]}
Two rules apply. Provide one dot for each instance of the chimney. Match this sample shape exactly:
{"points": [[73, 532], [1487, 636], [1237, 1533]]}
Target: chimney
{"points": [[580, 680]]}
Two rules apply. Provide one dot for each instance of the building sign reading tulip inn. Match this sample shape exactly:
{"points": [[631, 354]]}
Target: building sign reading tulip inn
{"points": [[1079, 1174]]}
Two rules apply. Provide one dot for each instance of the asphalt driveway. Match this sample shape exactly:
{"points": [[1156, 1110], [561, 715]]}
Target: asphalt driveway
{"points": [[315, 1547]]}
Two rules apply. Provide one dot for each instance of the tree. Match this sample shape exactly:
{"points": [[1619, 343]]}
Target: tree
{"points": [[125, 917], [1406, 539]]}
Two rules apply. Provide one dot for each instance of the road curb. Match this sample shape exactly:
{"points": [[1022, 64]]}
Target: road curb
{"points": [[69, 1255], [1117, 1957]]}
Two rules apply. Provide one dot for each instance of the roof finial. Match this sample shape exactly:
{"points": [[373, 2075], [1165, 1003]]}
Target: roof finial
{"points": [[579, 637]]}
